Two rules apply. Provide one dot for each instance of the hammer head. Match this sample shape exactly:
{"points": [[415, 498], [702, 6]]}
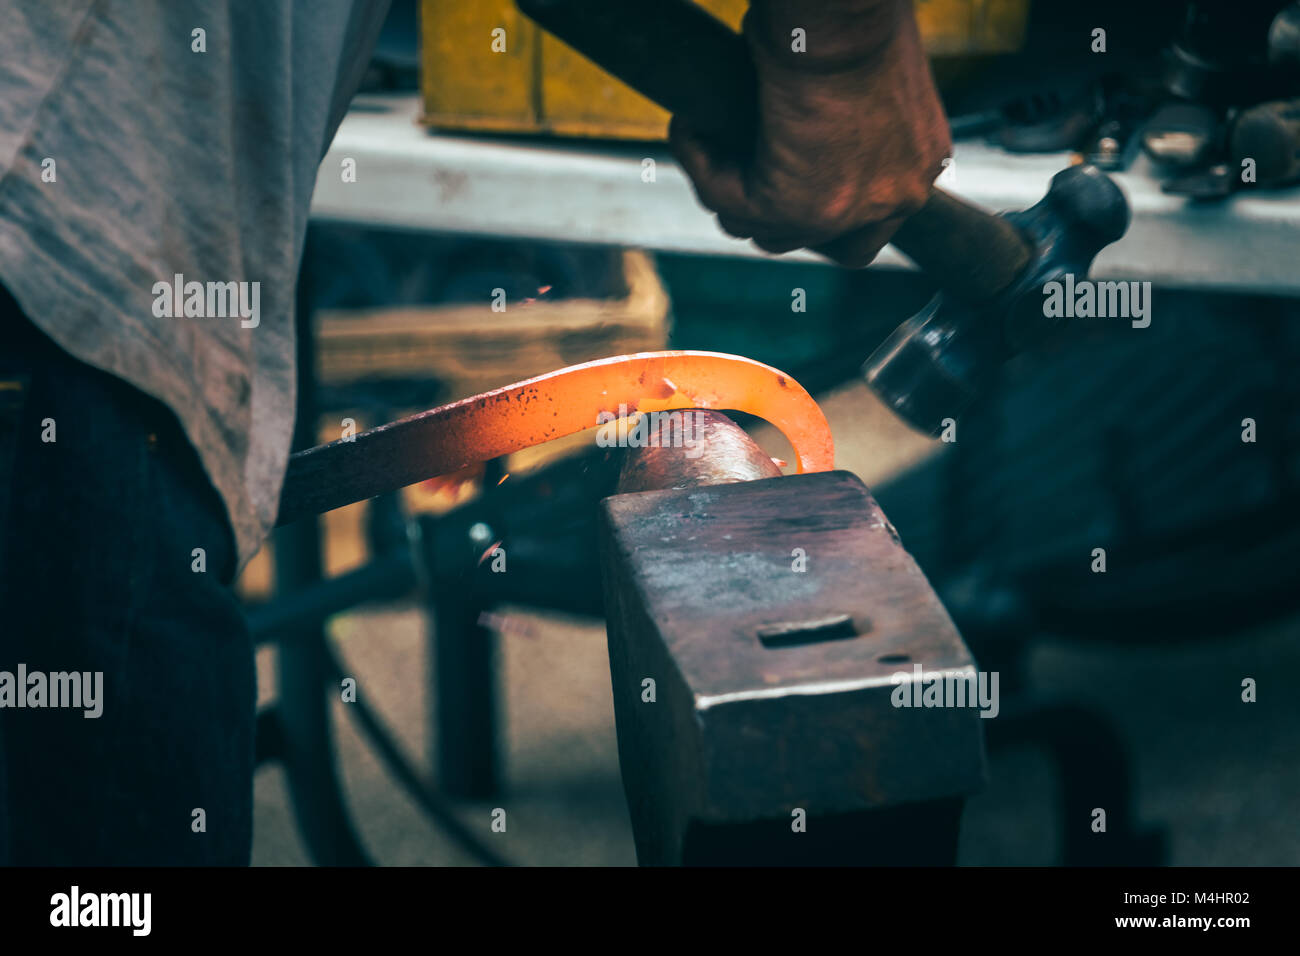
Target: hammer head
{"points": [[760, 635], [934, 364]]}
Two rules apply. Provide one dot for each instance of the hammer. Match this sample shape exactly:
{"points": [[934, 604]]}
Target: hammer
{"points": [[991, 269]]}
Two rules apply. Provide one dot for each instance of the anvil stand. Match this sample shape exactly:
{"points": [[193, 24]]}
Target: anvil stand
{"points": [[296, 730]]}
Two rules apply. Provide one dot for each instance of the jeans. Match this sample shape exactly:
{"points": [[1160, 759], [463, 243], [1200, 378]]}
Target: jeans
{"points": [[103, 505]]}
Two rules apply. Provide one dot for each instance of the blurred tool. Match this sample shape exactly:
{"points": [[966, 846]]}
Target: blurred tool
{"points": [[1220, 54], [1230, 71], [1183, 135], [1269, 134]]}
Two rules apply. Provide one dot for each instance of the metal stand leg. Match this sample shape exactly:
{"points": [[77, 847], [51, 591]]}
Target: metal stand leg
{"points": [[464, 677], [303, 706], [1094, 772]]}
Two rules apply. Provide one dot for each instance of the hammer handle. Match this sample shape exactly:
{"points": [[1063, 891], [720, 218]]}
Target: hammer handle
{"points": [[696, 67]]}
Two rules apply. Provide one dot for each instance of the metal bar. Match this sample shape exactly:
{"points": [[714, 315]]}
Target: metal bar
{"points": [[541, 409], [386, 578]]}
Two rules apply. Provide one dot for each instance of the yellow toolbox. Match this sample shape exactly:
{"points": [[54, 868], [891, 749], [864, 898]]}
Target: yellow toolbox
{"points": [[537, 84]]}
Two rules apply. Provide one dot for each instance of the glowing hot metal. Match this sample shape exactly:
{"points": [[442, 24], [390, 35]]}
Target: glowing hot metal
{"points": [[544, 408]]}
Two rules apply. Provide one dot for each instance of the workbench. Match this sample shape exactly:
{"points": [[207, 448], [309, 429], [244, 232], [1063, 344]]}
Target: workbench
{"points": [[593, 192]]}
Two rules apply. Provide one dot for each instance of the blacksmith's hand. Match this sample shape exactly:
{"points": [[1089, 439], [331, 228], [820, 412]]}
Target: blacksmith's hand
{"points": [[851, 131]]}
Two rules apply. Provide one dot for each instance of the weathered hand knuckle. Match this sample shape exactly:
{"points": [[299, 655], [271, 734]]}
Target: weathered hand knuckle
{"points": [[914, 196]]}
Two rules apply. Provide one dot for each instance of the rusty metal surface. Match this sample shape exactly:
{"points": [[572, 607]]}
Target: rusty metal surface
{"points": [[720, 452], [772, 684]]}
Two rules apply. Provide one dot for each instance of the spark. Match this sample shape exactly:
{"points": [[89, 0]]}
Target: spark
{"points": [[490, 548]]}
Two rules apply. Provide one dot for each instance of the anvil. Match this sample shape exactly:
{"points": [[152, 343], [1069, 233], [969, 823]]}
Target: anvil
{"points": [[758, 631]]}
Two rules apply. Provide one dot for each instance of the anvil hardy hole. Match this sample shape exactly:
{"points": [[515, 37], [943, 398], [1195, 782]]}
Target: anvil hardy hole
{"points": [[893, 659], [833, 627]]}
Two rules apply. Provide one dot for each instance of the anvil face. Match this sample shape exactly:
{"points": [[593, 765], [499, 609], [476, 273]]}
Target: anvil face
{"points": [[778, 620]]}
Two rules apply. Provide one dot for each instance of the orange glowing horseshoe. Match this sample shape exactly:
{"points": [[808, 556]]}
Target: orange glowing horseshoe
{"points": [[547, 407]]}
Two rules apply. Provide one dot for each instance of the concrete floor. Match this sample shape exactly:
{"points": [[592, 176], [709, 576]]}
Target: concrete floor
{"points": [[563, 799], [1221, 777]]}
